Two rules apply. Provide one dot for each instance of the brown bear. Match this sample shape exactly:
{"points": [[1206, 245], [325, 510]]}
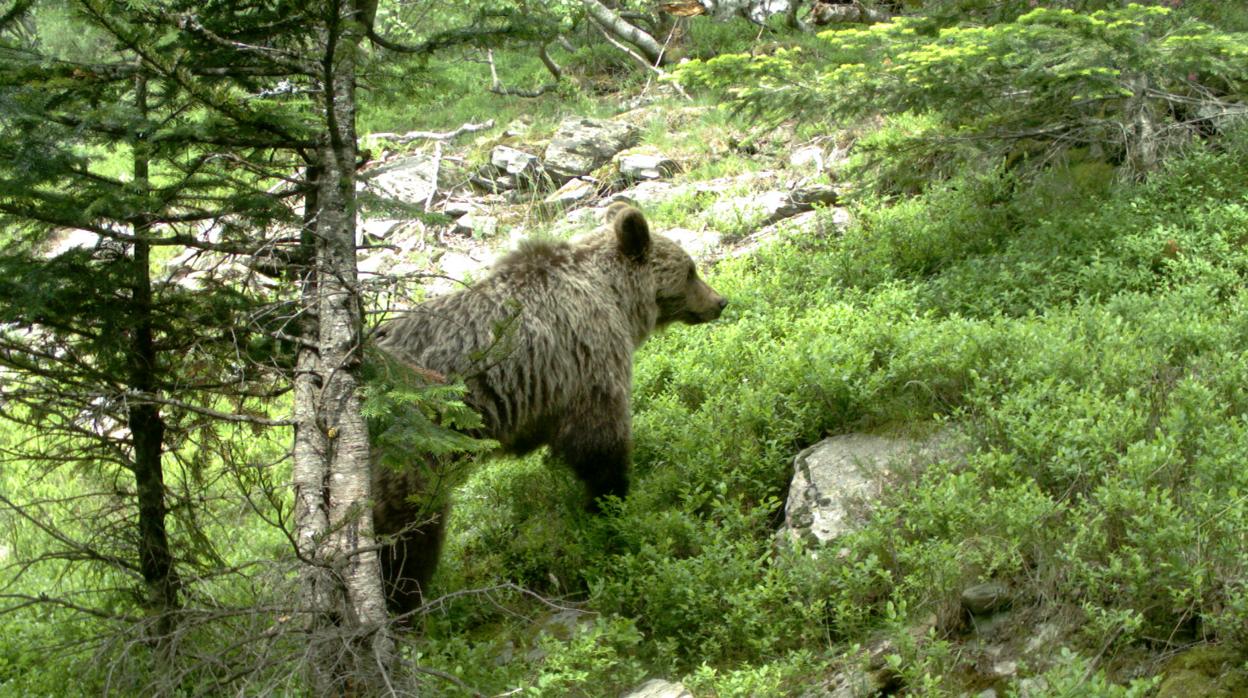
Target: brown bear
{"points": [[544, 345]]}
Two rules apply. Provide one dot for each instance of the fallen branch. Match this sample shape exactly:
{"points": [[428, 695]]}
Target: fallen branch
{"points": [[434, 135]]}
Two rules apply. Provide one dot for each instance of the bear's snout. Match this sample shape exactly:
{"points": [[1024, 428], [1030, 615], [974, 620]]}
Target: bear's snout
{"points": [[710, 310]]}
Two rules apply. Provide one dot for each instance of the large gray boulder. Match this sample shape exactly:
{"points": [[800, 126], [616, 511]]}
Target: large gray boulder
{"points": [[746, 214], [582, 145], [840, 477], [409, 180], [642, 166], [514, 161], [577, 190], [516, 169], [700, 244], [803, 225]]}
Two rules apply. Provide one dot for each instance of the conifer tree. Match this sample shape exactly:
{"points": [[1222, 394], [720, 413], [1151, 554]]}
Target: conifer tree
{"points": [[111, 358]]}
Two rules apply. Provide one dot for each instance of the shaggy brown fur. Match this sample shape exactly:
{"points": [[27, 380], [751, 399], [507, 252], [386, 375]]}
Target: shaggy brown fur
{"points": [[545, 345]]}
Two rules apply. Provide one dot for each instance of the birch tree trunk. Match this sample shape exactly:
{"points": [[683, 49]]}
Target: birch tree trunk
{"points": [[1142, 141], [622, 30], [352, 649]]}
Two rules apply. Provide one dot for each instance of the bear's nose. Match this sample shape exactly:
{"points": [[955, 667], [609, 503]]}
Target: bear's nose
{"points": [[723, 303]]}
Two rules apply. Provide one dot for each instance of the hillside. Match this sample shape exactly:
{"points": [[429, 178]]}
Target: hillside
{"points": [[1075, 343], [974, 422]]}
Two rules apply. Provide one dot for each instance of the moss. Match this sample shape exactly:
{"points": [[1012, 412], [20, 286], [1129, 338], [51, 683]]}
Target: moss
{"points": [[1209, 670]]}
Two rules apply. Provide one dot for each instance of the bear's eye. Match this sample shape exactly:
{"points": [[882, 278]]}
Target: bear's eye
{"points": [[693, 273]]}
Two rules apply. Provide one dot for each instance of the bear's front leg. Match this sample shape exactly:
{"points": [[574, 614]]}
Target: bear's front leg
{"points": [[596, 444], [410, 522]]}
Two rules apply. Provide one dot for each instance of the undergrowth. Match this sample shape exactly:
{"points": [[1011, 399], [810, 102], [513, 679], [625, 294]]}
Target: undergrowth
{"points": [[1085, 338]]}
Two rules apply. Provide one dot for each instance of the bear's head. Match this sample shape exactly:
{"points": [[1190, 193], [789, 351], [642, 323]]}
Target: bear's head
{"points": [[680, 293]]}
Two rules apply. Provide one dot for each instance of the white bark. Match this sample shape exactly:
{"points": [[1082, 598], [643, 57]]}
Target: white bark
{"points": [[619, 28], [331, 454], [1142, 140]]}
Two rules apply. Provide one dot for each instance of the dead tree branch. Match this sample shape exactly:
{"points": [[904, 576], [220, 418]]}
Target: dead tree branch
{"points": [[637, 57], [435, 135]]}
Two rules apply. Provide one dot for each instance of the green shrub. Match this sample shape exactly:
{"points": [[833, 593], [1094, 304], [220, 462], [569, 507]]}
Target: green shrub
{"points": [[1099, 390]]}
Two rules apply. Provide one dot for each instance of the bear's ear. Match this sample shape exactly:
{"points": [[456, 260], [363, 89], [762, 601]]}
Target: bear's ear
{"points": [[632, 234]]}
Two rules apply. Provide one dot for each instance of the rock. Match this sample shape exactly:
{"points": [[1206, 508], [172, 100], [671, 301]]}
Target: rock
{"points": [[745, 214], [458, 207], [566, 624], [856, 684], [517, 163], [649, 193], [814, 194], [372, 264], [1005, 669], [828, 476], [518, 128], [659, 688], [65, 239], [1209, 671], [376, 229], [582, 145], [575, 191], [802, 225], [406, 270], [563, 626], [1046, 636], [410, 180], [993, 624], [586, 216], [487, 180], [457, 268], [809, 158], [1221, 118], [699, 245], [1034, 687], [641, 166], [478, 225], [838, 474], [986, 598], [756, 11]]}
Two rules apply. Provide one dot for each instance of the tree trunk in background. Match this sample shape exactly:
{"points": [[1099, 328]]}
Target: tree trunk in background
{"points": [[147, 429], [352, 648], [791, 19], [1142, 142]]}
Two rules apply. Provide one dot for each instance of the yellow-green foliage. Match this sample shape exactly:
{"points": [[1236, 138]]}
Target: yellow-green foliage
{"points": [[1054, 77]]}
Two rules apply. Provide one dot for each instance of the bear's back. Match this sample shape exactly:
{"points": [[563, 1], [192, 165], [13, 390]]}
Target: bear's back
{"points": [[548, 326]]}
